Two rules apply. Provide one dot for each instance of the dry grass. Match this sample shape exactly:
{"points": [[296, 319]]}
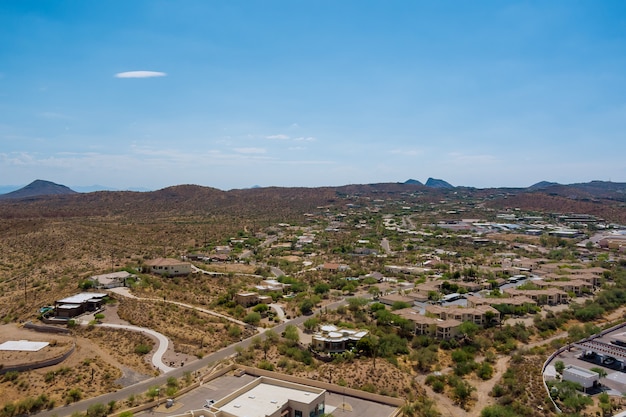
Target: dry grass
{"points": [[192, 332]]}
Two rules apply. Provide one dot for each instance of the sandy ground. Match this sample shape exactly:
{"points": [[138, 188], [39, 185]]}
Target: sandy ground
{"points": [[58, 344], [171, 357]]}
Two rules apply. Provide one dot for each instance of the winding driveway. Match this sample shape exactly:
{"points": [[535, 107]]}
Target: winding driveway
{"points": [[157, 358]]}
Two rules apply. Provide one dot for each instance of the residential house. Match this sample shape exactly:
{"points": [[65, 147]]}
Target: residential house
{"points": [[443, 329], [479, 315], [518, 301], [550, 296], [577, 287], [333, 267], [78, 304], [110, 280], [331, 339], [271, 285], [391, 299], [248, 299], [168, 266]]}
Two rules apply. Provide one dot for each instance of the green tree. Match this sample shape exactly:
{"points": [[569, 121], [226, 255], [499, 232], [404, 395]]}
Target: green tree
{"points": [[253, 318], [306, 306], [291, 334], [559, 366], [310, 324], [260, 308]]}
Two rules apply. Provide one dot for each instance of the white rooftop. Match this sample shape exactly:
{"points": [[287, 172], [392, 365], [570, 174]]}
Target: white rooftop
{"points": [[81, 298], [23, 345], [264, 399]]}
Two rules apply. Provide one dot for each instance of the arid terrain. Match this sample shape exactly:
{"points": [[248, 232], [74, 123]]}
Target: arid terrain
{"points": [[49, 247]]}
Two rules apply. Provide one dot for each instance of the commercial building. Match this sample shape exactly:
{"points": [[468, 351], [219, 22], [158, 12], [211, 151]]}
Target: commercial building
{"points": [[268, 397]]}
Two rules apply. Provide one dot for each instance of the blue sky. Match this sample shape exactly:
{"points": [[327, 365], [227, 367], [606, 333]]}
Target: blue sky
{"points": [[231, 94]]}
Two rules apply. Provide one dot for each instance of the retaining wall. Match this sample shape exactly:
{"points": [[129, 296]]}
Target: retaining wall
{"points": [[39, 364]]}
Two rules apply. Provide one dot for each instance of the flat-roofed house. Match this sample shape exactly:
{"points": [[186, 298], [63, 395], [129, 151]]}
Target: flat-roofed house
{"points": [[110, 280], [248, 299], [332, 339], [268, 397], [78, 304]]}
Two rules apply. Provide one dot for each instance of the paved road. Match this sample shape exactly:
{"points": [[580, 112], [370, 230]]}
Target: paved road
{"points": [[191, 367]]}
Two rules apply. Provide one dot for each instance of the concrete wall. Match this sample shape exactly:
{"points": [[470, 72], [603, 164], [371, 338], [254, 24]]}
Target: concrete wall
{"points": [[39, 364]]}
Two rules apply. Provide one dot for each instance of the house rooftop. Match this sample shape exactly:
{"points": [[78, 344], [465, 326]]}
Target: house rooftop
{"points": [[81, 298], [262, 398]]}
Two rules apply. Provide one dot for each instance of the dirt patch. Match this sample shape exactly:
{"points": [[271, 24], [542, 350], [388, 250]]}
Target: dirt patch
{"points": [[58, 345]]}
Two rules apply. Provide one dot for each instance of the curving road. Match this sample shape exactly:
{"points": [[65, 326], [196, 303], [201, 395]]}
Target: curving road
{"points": [[157, 358], [160, 380]]}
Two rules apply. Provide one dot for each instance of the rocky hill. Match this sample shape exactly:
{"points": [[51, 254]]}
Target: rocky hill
{"points": [[38, 188]]}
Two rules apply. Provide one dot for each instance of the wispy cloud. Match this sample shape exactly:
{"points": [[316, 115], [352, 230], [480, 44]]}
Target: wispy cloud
{"points": [[304, 139], [280, 137], [140, 74]]}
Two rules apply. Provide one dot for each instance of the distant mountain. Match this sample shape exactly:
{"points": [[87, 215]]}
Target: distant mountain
{"points": [[97, 187], [542, 184], [38, 188], [412, 181], [437, 183], [8, 188]]}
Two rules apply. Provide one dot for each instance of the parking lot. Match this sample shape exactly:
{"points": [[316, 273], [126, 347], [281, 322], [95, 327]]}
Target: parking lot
{"points": [[615, 381], [336, 402]]}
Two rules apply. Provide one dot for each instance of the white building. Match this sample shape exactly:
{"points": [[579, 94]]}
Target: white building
{"points": [[268, 397], [582, 376]]}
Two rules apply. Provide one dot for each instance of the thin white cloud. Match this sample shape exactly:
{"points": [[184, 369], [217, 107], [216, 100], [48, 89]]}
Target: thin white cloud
{"points": [[280, 137], [305, 139], [140, 74], [250, 150]]}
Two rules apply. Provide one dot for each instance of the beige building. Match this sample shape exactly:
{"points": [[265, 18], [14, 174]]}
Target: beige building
{"points": [[551, 296], [248, 299], [168, 266], [479, 315], [444, 329], [578, 287]]}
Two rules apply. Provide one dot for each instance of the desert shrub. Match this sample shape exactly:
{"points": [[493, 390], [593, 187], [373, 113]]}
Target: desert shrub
{"points": [[484, 371], [234, 332], [10, 376], [252, 318], [142, 349], [96, 410], [268, 366], [73, 395]]}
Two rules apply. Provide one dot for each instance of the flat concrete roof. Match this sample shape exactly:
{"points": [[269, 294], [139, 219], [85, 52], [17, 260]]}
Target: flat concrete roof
{"points": [[264, 399], [581, 372], [81, 298], [23, 345]]}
